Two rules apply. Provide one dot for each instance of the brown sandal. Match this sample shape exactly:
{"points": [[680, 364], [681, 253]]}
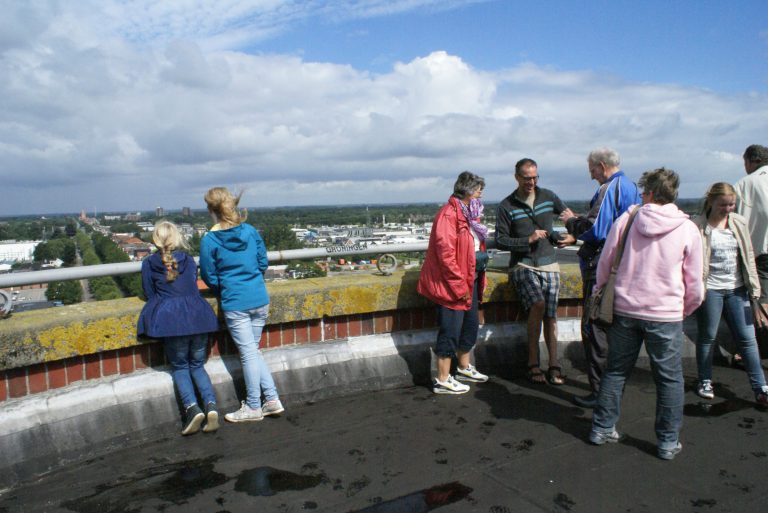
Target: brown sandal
{"points": [[555, 376], [535, 375]]}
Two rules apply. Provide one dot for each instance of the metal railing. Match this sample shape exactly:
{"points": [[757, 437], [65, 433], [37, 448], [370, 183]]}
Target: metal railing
{"points": [[94, 271]]}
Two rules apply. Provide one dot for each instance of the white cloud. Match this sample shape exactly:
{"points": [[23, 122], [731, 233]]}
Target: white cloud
{"points": [[128, 106]]}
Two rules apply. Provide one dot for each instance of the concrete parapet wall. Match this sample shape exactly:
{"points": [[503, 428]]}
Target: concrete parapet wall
{"points": [[47, 349]]}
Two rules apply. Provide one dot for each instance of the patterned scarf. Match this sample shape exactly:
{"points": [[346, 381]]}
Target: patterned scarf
{"points": [[473, 212]]}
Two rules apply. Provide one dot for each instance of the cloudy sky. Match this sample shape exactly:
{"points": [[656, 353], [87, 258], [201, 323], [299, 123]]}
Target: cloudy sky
{"points": [[133, 104]]}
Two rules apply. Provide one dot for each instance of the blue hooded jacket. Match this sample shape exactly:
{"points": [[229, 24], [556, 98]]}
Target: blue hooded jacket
{"points": [[173, 309], [620, 194], [232, 264]]}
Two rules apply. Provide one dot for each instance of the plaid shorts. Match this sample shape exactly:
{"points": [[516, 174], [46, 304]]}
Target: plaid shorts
{"points": [[537, 286]]}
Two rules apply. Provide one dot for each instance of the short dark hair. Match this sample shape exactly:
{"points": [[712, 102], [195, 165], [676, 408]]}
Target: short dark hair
{"points": [[467, 183], [524, 163], [663, 183], [756, 153]]}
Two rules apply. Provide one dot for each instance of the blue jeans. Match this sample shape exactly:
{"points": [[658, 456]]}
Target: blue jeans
{"points": [[738, 315], [245, 328], [663, 343], [187, 356], [457, 329]]}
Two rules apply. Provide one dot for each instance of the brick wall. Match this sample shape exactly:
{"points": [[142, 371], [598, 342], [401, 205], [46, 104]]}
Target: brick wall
{"points": [[41, 377]]}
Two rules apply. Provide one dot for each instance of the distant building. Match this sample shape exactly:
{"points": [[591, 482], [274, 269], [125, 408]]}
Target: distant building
{"points": [[112, 217], [186, 212], [275, 272], [133, 217], [135, 248], [159, 212], [186, 230], [356, 231], [15, 251], [53, 263]]}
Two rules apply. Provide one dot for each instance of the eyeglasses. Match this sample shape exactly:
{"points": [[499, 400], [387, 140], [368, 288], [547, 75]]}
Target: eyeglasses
{"points": [[528, 178]]}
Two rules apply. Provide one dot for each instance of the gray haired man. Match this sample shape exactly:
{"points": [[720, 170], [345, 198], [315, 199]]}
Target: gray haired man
{"points": [[613, 197]]}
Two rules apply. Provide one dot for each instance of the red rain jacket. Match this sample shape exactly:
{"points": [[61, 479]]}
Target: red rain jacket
{"points": [[448, 272]]}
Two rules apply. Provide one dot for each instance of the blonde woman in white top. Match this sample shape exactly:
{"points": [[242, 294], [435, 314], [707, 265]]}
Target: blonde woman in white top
{"points": [[730, 279]]}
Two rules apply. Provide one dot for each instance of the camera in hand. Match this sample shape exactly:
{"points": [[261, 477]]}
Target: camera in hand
{"points": [[555, 237]]}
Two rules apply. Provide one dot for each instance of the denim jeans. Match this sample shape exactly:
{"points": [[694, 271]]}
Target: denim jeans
{"points": [[187, 356], [245, 328], [663, 343], [457, 329], [738, 315]]}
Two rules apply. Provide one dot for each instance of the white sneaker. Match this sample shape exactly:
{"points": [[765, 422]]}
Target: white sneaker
{"points": [[600, 438], [245, 414], [669, 454], [274, 407], [470, 374], [449, 386], [705, 389]]}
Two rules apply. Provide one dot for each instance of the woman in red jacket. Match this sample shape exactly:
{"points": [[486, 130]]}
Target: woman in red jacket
{"points": [[453, 276]]}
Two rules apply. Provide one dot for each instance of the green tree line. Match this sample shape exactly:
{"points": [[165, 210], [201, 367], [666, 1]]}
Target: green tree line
{"points": [[61, 248], [68, 292], [36, 229], [110, 253], [102, 287]]}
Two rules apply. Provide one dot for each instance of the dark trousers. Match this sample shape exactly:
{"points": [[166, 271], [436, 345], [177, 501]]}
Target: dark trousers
{"points": [[593, 337], [457, 329], [762, 273]]}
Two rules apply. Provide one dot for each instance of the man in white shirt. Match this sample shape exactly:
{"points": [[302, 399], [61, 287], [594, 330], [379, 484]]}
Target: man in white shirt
{"points": [[752, 203]]}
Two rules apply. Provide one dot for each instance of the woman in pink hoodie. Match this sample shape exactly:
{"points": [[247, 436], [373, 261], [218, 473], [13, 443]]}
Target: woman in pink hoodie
{"points": [[658, 283]]}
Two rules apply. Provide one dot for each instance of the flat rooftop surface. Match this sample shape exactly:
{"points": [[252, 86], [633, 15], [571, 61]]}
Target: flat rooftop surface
{"points": [[507, 446]]}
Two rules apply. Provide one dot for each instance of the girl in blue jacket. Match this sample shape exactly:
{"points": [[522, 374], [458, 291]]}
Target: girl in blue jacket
{"points": [[233, 260], [177, 314]]}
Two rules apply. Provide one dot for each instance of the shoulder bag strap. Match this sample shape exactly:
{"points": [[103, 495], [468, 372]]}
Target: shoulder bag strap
{"points": [[620, 248], [535, 222], [531, 216]]}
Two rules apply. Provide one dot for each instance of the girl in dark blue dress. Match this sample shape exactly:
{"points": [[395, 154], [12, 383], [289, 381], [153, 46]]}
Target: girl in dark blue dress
{"points": [[177, 314]]}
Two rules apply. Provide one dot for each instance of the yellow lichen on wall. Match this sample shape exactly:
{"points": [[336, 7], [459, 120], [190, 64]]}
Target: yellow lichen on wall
{"points": [[47, 335], [87, 338]]}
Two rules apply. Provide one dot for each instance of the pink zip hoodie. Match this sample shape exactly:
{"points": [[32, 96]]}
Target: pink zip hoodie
{"points": [[659, 277]]}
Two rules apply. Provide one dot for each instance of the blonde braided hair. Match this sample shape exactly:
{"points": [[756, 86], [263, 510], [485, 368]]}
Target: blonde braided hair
{"points": [[167, 238]]}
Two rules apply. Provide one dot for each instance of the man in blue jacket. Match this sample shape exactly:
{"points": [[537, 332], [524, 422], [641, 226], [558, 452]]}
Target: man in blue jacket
{"points": [[614, 196]]}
